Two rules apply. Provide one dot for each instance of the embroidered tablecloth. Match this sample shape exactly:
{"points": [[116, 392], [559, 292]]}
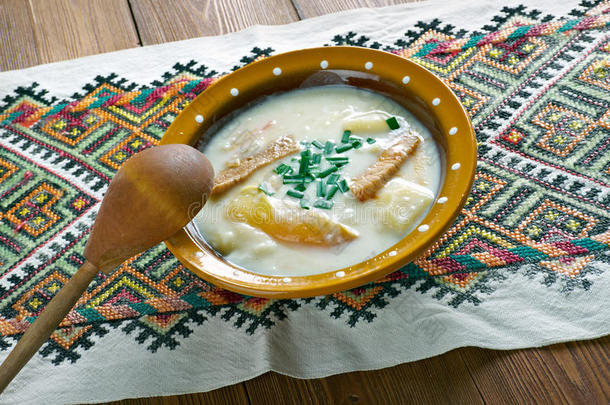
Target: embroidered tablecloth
{"points": [[526, 263]]}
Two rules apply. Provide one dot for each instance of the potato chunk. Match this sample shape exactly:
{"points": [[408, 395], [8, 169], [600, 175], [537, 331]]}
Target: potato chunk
{"points": [[286, 221], [400, 203], [371, 122]]}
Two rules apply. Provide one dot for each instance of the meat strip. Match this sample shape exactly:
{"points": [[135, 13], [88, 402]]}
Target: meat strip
{"points": [[281, 147], [387, 165]]}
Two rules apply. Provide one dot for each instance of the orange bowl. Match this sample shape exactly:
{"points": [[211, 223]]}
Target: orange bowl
{"points": [[412, 86]]}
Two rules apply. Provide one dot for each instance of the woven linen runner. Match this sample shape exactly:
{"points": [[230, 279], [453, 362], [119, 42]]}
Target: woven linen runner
{"points": [[526, 263]]}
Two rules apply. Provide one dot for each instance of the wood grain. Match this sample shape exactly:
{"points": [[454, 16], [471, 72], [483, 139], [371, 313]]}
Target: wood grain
{"points": [[163, 21], [72, 28], [274, 388], [566, 373], [440, 380], [41, 31], [313, 8], [17, 36]]}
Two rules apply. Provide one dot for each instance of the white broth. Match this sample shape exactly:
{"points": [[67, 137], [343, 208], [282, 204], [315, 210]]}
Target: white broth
{"points": [[255, 224]]}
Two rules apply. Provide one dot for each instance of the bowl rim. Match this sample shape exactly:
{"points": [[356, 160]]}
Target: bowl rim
{"points": [[187, 128]]}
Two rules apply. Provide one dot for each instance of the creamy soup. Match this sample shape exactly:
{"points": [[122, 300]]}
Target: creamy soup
{"points": [[317, 179]]}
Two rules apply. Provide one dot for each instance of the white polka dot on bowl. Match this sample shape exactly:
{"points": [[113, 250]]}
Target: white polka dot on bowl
{"points": [[453, 131], [234, 92], [368, 65], [199, 118], [340, 274], [456, 166], [442, 200], [423, 228], [277, 71], [324, 64], [436, 101], [286, 279], [406, 80]]}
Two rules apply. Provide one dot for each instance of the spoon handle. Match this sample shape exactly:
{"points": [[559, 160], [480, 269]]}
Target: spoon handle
{"points": [[46, 323]]}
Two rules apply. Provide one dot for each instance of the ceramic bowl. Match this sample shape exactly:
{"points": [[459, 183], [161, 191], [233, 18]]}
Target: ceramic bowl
{"points": [[411, 85]]}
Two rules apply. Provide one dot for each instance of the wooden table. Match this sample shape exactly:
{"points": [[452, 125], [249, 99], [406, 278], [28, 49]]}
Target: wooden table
{"points": [[40, 31]]}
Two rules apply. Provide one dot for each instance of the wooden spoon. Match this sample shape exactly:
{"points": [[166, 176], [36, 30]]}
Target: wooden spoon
{"points": [[152, 196]]}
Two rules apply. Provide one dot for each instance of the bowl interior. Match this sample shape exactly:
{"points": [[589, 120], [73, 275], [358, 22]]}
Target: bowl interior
{"points": [[412, 86]]}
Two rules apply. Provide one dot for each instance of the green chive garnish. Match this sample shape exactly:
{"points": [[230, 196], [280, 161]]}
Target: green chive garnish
{"points": [[334, 159], [332, 179], [301, 187], [294, 193], [343, 186], [304, 164], [323, 204], [343, 148], [357, 144], [328, 147], [331, 192], [370, 140], [283, 169], [392, 123], [264, 187], [293, 181], [317, 144], [320, 188], [326, 172], [316, 158], [305, 204], [354, 138], [345, 137]]}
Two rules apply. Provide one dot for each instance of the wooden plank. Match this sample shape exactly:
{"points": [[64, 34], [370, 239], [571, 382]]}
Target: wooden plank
{"points": [[161, 21], [232, 395], [439, 380], [67, 29], [17, 37], [577, 372], [313, 8], [274, 388]]}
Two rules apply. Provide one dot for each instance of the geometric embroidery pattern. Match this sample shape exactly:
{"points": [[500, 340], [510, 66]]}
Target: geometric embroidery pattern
{"points": [[539, 205]]}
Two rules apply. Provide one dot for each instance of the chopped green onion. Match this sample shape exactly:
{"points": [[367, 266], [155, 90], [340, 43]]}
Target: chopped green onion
{"points": [[328, 147], [294, 176], [294, 193], [354, 138], [370, 140], [332, 179], [340, 163], [316, 158], [309, 177], [323, 204], [317, 144], [304, 164], [334, 159], [301, 187], [345, 137], [264, 187], [357, 144], [326, 172], [305, 204], [283, 169], [293, 181], [343, 186], [392, 123], [343, 148], [320, 189], [331, 192]]}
